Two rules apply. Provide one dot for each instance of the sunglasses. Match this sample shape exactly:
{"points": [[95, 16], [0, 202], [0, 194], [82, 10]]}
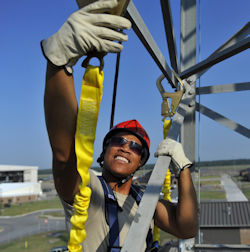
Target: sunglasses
{"points": [[118, 141]]}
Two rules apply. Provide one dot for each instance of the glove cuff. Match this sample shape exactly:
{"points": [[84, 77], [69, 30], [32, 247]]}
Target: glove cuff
{"points": [[185, 166], [53, 52], [188, 165], [70, 64]]}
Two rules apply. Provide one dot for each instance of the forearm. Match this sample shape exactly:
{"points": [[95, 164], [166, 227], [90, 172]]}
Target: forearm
{"points": [[187, 207], [60, 107]]}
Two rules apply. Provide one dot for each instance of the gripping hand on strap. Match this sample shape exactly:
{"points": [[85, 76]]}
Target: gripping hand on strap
{"points": [[174, 149], [86, 30]]}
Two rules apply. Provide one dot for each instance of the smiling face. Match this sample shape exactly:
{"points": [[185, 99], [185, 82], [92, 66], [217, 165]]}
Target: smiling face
{"points": [[121, 161]]}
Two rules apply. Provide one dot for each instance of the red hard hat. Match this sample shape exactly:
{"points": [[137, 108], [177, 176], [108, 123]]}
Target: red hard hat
{"points": [[135, 128]]}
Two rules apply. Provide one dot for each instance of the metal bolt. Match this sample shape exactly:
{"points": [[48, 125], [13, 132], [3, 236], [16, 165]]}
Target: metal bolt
{"points": [[191, 92], [191, 104]]}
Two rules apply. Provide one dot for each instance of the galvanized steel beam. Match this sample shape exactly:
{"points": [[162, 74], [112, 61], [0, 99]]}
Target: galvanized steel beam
{"points": [[187, 60], [224, 247], [238, 36], [223, 120], [225, 88], [147, 40], [216, 58], [136, 237], [188, 34], [169, 29]]}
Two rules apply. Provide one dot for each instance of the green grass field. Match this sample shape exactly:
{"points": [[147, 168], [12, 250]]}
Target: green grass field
{"points": [[52, 214], [212, 195], [243, 185], [17, 209], [36, 243], [246, 191], [214, 183], [210, 177], [210, 188]]}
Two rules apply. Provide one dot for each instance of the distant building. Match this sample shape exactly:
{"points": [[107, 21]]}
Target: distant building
{"points": [[225, 222], [19, 192], [19, 184], [18, 173]]}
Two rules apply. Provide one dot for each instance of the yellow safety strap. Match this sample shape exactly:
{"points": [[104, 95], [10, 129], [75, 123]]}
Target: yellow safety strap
{"points": [[167, 182], [91, 95], [166, 127]]}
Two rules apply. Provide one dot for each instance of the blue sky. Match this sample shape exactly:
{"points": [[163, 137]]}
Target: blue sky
{"points": [[24, 24]]}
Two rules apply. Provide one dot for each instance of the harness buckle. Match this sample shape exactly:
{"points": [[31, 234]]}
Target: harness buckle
{"points": [[111, 197]]}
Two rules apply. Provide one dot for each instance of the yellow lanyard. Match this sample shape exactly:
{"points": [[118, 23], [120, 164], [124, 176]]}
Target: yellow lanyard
{"points": [[91, 95], [167, 182]]}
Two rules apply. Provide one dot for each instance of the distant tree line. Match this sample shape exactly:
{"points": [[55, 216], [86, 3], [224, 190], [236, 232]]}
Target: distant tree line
{"points": [[225, 162], [202, 164], [151, 166]]}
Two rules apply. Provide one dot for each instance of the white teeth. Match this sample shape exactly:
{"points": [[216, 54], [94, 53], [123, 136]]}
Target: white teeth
{"points": [[121, 158]]}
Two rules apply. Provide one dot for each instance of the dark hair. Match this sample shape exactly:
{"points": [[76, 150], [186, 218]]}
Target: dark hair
{"points": [[100, 159]]}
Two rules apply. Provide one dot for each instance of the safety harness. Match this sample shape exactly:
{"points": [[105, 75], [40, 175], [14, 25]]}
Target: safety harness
{"points": [[112, 209]]}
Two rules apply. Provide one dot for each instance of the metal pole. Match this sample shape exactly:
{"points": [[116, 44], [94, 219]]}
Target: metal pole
{"points": [[187, 60], [115, 90], [199, 122]]}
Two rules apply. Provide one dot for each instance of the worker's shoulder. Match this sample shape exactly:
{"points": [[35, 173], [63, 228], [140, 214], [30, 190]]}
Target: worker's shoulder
{"points": [[95, 186], [93, 175]]}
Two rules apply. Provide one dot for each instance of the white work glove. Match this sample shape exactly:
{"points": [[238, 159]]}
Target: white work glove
{"points": [[86, 30], [172, 148]]}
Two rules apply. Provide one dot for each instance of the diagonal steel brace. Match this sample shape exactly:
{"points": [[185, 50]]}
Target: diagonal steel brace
{"points": [[139, 228]]}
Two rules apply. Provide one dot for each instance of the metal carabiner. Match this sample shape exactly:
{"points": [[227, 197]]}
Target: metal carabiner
{"points": [[166, 109], [98, 55], [169, 111]]}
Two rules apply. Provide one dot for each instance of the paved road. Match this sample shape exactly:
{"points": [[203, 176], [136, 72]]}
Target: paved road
{"points": [[233, 193], [12, 228]]}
